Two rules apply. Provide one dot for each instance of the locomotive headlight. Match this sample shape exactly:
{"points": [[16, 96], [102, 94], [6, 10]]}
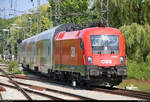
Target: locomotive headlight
{"points": [[121, 59], [90, 60]]}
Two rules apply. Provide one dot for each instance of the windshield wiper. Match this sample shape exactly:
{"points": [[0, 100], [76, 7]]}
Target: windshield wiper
{"points": [[112, 52], [99, 52]]}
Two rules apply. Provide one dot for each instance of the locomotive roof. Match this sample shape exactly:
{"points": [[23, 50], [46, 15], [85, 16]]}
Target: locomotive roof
{"points": [[104, 30], [86, 32]]}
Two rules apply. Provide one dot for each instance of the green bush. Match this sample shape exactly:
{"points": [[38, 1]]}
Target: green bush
{"points": [[13, 68], [139, 71]]}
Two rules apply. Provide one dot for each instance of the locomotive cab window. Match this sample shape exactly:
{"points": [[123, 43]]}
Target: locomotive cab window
{"points": [[105, 43]]}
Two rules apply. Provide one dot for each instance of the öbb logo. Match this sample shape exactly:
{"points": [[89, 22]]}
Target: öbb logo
{"points": [[106, 61]]}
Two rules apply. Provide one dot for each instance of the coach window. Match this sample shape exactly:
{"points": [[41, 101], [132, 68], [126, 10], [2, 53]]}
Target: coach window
{"points": [[48, 50], [81, 44]]}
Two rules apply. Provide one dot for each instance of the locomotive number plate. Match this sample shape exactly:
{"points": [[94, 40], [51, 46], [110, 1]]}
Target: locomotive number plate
{"points": [[94, 72]]}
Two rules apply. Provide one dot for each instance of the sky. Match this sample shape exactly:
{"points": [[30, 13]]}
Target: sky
{"points": [[7, 8]]}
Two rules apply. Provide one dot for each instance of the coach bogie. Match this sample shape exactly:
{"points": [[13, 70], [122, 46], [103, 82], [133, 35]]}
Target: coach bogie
{"points": [[36, 69]]}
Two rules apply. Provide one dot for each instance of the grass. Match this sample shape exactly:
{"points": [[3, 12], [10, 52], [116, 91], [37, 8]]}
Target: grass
{"points": [[138, 71], [142, 85], [138, 75]]}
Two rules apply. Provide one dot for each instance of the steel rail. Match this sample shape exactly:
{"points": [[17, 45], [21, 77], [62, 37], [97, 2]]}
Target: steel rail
{"points": [[57, 91], [124, 92], [5, 65], [34, 92], [47, 89], [1, 98], [17, 86], [134, 93]]}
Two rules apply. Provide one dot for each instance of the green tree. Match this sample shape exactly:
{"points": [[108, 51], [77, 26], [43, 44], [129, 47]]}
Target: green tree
{"points": [[126, 12], [137, 41], [72, 11]]}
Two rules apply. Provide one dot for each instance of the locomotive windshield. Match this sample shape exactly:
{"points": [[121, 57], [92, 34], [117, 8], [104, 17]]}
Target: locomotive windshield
{"points": [[105, 43]]}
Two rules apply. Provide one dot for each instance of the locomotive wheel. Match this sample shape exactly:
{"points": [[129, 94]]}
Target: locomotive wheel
{"points": [[52, 75], [26, 68], [82, 83], [111, 86], [36, 69], [22, 66]]}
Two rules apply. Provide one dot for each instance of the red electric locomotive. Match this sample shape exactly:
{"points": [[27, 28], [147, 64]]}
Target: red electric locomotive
{"points": [[95, 54]]}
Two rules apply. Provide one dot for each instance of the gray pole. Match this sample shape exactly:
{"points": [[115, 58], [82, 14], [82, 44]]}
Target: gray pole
{"points": [[25, 27], [39, 19], [8, 33], [57, 11], [30, 20], [50, 15], [101, 11], [18, 35], [13, 41], [9, 43], [104, 12], [4, 13], [107, 10], [4, 42], [31, 27]]}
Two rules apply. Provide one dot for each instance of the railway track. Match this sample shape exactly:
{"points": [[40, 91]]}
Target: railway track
{"points": [[33, 92], [4, 65], [124, 92], [117, 91], [1, 98], [25, 91], [17, 86], [53, 90]]}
